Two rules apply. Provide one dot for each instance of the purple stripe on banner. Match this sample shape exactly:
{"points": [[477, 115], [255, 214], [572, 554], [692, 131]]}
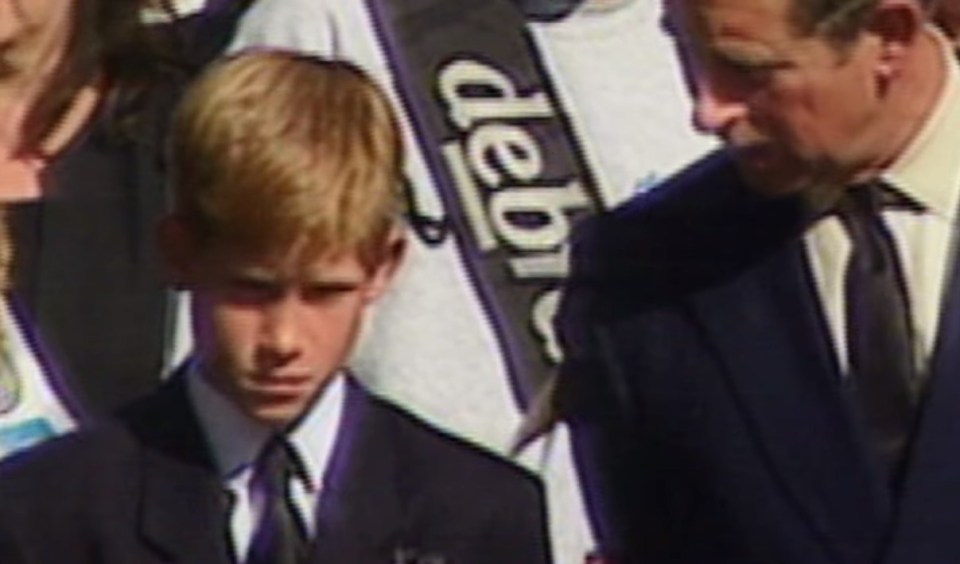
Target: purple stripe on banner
{"points": [[501, 151]]}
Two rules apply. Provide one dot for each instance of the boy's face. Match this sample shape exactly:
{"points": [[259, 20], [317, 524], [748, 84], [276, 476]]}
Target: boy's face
{"points": [[271, 331]]}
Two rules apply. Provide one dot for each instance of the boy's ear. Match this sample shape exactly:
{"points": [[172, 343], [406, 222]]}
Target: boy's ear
{"points": [[177, 251], [385, 272]]}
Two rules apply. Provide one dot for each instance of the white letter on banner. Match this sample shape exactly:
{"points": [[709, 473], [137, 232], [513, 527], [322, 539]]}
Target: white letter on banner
{"points": [[550, 202], [553, 265], [510, 147], [504, 103], [470, 197], [544, 311]]}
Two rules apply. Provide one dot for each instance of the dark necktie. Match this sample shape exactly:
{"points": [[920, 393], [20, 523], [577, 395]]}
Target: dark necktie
{"points": [[280, 537], [880, 336]]}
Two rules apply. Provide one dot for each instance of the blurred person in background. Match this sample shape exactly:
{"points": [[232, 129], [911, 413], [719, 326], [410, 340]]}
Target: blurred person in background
{"points": [[85, 89], [203, 27]]}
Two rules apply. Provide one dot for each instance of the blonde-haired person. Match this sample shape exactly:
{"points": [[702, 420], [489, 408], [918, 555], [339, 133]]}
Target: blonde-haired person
{"points": [[286, 227], [85, 90]]}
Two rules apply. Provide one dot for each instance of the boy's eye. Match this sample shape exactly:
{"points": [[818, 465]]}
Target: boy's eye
{"points": [[327, 291], [248, 290]]}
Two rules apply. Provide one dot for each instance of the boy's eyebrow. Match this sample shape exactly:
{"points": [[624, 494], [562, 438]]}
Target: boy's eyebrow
{"points": [[255, 274], [317, 277], [329, 279]]}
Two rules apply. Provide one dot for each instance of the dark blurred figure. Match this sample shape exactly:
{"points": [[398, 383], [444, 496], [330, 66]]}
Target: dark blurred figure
{"points": [[85, 89], [205, 27], [547, 10], [947, 15]]}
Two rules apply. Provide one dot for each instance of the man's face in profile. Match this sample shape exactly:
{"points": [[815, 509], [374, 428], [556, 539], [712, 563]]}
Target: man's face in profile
{"points": [[794, 108]]}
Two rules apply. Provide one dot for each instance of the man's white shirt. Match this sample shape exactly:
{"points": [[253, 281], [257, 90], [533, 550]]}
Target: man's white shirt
{"points": [[927, 172]]}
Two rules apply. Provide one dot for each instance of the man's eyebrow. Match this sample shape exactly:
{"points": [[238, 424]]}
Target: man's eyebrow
{"points": [[735, 54]]}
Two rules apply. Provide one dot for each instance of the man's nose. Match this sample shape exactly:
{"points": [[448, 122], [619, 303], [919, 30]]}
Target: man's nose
{"points": [[715, 112], [11, 19]]}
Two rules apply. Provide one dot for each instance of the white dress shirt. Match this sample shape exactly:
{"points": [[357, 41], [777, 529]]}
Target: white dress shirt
{"points": [[235, 441], [928, 173]]}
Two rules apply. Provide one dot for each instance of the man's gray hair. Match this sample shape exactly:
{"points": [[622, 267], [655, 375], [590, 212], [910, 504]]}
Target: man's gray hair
{"points": [[837, 19]]}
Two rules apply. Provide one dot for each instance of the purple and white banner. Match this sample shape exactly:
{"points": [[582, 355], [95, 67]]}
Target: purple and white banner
{"points": [[504, 157]]}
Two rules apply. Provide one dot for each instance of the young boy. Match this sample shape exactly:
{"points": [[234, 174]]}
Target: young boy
{"points": [[285, 228]]}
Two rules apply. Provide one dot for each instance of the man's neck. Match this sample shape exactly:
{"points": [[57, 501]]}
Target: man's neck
{"points": [[912, 98]]}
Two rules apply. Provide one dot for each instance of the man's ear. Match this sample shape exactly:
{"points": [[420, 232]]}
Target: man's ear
{"points": [[384, 273], [897, 25], [177, 251]]}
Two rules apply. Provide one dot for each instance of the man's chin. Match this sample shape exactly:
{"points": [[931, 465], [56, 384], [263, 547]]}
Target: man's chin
{"points": [[771, 183]]}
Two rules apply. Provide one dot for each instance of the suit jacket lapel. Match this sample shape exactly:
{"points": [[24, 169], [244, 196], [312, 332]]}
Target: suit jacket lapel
{"points": [[183, 511], [360, 512], [931, 493], [773, 342]]}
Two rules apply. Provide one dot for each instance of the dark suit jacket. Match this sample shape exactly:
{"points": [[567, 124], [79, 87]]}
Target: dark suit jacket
{"points": [[708, 411], [144, 490]]}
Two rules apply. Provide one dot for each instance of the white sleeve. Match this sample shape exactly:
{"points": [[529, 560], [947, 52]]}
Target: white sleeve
{"points": [[302, 25]]}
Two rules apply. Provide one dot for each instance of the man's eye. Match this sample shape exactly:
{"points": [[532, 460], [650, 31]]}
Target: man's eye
{"points": [[751, 70], [740, 70]]}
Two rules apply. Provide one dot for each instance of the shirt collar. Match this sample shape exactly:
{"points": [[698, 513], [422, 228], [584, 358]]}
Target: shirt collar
{"points": [[181, 9], [235, 439], [929, 170], [315, 435]]}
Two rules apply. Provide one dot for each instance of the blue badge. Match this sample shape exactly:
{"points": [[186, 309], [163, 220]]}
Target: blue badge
{"points": [[25, 434]]}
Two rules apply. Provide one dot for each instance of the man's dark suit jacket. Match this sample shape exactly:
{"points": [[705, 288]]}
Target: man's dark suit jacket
{"points": [[144, 490], [708, 410]]}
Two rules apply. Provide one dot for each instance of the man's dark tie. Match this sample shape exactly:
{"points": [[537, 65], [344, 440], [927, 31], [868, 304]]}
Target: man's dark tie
{"points": [[880, 336], [280, 537]]}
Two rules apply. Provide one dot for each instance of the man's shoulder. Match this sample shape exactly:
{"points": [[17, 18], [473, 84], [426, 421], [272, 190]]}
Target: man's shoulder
{"points": [[671, 233], [708, 190], [702, 225], [703, 183]]}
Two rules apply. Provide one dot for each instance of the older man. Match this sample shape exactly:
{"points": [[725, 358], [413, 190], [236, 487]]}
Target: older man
{"points": [[763, 355]]}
